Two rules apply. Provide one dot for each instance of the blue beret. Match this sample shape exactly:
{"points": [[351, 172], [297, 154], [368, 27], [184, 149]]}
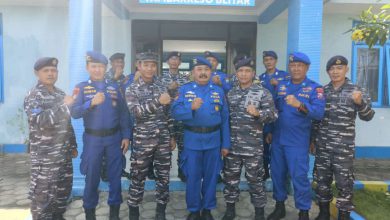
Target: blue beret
{"points": [[247, 61], [96, 57], [270, 53], [44, 62], [210, 54], [117, 56], [336, 60], [148, 56], [174, 54], [198, 61], [299, 57], [238, 58]]}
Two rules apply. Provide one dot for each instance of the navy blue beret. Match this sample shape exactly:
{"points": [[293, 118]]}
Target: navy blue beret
{"points": [[96, 57], [336, 60], [299, 57], [247, 61], [198, 61], [211, 54], [270, 53], [238, 58], [148, 56], [117, 56], [174, 54], [44, 62]]}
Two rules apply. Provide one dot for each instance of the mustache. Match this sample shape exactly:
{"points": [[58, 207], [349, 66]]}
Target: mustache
{"points": [[203, 75]]}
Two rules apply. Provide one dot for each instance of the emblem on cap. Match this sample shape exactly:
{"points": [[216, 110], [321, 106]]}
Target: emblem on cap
{"points": [[252, 63], [88, 58], [291, 58], [194, 61], [178, 54], [338, 61], [207, 53], [54, 62]]}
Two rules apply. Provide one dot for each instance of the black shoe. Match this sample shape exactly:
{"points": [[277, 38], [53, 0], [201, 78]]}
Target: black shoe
{"points": [[160, 211], [324, 211], [194, 216], [279, 212], [303, 215], [230, 211], [133, 213], [206, 215], [58, 216], [114, 212], [125, 174], [181, 175], [90, 214], [259, 213], [343, 215]]}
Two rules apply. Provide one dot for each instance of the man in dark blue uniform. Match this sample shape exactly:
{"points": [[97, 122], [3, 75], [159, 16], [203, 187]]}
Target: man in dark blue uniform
{"points": [[217, 77], [107, 132], [298, 101], [202, 107], [270, 79]]}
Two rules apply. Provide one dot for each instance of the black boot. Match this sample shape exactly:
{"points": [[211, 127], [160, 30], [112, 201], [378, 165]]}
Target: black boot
{"points": [[58, 216], [194, 216], [160, 211], [90, 214], [343, 215], [206, 215], [324, 211], [259, 213], [133, 213], [279, 212], [114, 212], [230, 211], [181, 175], [303, 215]]}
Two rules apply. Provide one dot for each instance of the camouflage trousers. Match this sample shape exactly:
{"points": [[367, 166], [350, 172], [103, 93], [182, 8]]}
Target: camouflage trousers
{"points": [[340, 164], [179, 137], [254, 172], [50, 188], [146, 151]]}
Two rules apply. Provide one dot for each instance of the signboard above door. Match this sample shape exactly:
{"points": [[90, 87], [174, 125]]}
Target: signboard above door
{"points": [[238, 3]]}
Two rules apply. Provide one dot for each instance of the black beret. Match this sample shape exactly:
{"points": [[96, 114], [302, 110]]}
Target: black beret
{"points": [[336, 60], [247, 61], [148, 56], [45, 61], [270, 53], [174, 54], [238, 58], [116, 56]]}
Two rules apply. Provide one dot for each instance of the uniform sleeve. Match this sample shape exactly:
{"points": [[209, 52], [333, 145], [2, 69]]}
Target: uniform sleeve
{"points": [[140, 110], [124, 122], [267, 110], [315, 108], [79, 107], [181, 109], [71, 137], [315, 127], [43, 118], [225, 128], [365, 112], [226, 83]]}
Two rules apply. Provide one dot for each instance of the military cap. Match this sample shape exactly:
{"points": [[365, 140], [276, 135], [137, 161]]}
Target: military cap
{"points": [[147, 56], [174, 54], [270, 53], [96, 57], [247, 61], [238, 58], [336, 60], [299, 57], [198, 61], [44, 62], [211, 54], [117, 56]]}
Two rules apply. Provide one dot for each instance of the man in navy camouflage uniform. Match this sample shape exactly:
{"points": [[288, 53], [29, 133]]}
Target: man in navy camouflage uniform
{"points": [[333, 138], [250, 106], [52, 143]]}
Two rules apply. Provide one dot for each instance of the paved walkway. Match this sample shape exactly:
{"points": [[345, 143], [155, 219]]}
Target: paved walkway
{"points": [[14, 180]]}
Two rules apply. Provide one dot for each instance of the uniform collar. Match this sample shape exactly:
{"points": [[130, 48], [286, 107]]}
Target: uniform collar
{"points": [[304, 83], [44, 88]]}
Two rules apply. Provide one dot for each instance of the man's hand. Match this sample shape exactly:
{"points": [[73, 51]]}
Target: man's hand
{"points": [[217, 80], [357, 97], [268, 138], [74, 153], [68, 100], [173, 86], [274, 82], [196, 103], [125, 145], [224, 152], [251, 109], [292, 101], [118, 72], [98, 99], [164, 99], [173, 143], [312, 148]]}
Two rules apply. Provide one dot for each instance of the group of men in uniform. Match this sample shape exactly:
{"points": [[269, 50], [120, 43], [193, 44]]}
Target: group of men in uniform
{"points": [[209, 118]]}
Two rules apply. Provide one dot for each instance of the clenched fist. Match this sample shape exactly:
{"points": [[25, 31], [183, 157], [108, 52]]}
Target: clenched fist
{"points": [[164, 99], [274, 82], [217, 80], [357, 97], [292, 101], [196, 103], [173, 86], [98, 99], [251, 109]]}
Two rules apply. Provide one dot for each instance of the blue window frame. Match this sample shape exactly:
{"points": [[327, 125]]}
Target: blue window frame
{"points": [[1, 61]]}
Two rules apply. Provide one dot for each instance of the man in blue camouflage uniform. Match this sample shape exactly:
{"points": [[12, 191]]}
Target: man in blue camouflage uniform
{"points": [[218, 77], [52, 143], [250, 106], [270, 80], [202, 107], [107, 132], [333, 138], [298, 101]]}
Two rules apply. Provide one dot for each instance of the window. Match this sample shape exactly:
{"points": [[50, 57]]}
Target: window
{"points": [[1, 61]]}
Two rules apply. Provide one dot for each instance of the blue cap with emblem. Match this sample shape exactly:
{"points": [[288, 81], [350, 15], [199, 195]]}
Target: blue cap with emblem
{"points": [[117, 56], [198, 61], [299, 57], [247, 61], [270, 53], [211, 54], [44, 62], [96, 57], [336, 60]]}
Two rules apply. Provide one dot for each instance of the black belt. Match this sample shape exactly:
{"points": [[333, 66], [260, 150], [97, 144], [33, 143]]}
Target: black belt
{"points": [[102, 132], [202, 129]]}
